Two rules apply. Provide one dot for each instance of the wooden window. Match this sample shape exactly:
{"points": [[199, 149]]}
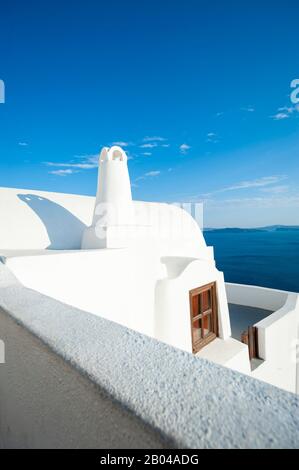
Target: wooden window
{"points": [[204, 316]]}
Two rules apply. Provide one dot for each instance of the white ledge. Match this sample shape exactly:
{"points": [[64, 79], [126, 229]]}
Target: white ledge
{"points": [[192, 402]]}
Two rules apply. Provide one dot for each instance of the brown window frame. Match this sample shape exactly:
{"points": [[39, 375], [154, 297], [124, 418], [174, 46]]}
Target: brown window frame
{"points": [[212, 312], [250, 337]]}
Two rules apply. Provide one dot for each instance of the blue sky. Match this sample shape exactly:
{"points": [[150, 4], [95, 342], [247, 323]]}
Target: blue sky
{"points": [[197, 91]]}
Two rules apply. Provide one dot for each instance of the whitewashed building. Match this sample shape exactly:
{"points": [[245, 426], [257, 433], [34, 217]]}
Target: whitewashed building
{"points": [[147, 267]]}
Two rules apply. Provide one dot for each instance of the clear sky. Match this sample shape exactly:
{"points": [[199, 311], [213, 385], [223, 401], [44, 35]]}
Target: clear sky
{"points": [[198, 92]]}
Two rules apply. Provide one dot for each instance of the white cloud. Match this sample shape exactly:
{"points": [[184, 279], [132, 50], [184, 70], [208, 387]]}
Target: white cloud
{"points": [[252, 211], [249, 109], [280, 116], [154, 138], [184, 148], [153, 173], [275, 189], [81, 166], [250, 184], [147, 154], [150, 145], [154, 141], [69, 171], [256, 202], [285, 112], [212, 137], [149, 174], [87, 162], [288, 109], [23, 144], [121, 143], [256, 183]]}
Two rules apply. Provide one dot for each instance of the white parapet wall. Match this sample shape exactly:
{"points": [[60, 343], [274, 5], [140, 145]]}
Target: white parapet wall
{"points": [[110, 283], [75, 380], [255, 296], [277, 333]]}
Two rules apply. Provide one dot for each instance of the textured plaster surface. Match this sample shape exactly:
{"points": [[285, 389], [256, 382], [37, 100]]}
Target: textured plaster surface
{"points": [[191, 401]]}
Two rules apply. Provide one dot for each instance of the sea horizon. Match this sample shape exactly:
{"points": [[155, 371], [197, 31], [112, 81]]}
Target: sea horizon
{"points": [[265, 256], [261, 228]]}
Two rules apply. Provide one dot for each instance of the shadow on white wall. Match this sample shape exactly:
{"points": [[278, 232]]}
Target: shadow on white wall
{"points": [[62, 226]]}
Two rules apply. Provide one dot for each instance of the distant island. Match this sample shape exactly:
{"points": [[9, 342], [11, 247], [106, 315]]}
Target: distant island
{"points": [[270, 228]]}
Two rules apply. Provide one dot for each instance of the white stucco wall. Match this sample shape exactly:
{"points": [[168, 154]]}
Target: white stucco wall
{"points": [[116, 284], [277, 333], [255, 296], [172, 317], [278, 342]]}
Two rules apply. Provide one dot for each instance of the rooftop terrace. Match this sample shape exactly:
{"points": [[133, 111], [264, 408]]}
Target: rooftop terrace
{"points": [[242, 317]]}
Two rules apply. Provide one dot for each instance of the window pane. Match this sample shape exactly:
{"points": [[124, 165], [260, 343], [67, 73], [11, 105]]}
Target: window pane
{"points": [[207, 325], [205, 300], [196, 330], [195, 305]]}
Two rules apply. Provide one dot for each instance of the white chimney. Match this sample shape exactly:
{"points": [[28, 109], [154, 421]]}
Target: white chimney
{"points": [[113, 216]]}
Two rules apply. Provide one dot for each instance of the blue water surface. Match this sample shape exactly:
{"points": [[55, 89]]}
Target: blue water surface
{"points": [[262, 258]]}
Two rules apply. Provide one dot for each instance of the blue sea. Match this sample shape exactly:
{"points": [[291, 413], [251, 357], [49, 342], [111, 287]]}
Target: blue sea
{"points": [[268, 258]]}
